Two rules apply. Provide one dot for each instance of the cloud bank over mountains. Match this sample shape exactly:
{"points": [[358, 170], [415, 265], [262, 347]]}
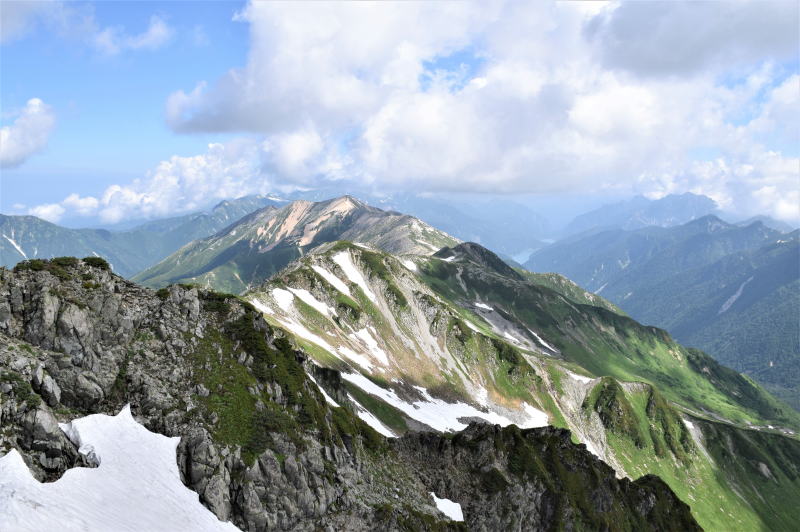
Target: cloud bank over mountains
{"points": [[653, 98]]}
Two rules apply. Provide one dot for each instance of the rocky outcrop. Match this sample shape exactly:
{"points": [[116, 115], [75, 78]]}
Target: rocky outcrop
{"points": [[259, 443]]}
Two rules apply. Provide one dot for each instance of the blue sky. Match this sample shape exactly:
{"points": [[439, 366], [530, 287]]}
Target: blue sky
{"points": [[114, 111], [110, 108]]}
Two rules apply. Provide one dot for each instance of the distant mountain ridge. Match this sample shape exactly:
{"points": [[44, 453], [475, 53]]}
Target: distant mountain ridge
{"points": [[732, 291], [262, 243], [639, 212], [129, 251]]}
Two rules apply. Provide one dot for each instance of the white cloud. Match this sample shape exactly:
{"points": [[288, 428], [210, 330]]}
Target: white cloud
{"points": [[177, 185], [113, 40], [78, 22], [52, 212], [499, 97], [682, 37], [27, 135]]}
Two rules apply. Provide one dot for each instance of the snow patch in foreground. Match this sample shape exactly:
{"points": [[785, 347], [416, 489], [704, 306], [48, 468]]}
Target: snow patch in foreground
{"points": [[136, 487], [441, 415], [449, 508]]}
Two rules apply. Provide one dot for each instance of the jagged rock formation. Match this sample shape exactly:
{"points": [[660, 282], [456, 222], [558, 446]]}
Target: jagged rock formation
{"points": [[260, 443]]}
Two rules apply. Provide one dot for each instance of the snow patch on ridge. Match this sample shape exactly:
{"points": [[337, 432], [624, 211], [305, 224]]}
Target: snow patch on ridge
{"points": [[332, 279], [372, 344], [440, 415], [483, 306], [284, 298], [308, 298], [449, 508], [345, 262], [136, 486]]}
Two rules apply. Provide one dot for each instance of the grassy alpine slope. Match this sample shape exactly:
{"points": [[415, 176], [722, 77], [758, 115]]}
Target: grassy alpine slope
{"points": [[426, 342]]}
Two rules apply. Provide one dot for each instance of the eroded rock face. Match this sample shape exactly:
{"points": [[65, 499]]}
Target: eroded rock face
{"points": [[259, 444]]}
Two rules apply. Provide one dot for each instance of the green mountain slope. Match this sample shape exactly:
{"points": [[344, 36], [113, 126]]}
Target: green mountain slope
{"points": [[259, 245], [129, 251], [433, 342], [731, 291]]}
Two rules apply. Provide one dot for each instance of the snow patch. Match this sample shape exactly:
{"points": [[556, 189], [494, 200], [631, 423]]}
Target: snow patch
{"points": [[332, 279], [438, 414], [449, 508], [542, 342], [367, 417], [327, 397], [449, 259], [137, 485], [359, 359], [579, 378], [284, 298], [308, 298], [372, 344], [345, 262], [409, 264], [483, 306], [261, 307], [16, 246]]}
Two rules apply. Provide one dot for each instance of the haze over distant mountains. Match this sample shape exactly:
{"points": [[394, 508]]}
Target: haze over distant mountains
{"points": [[731, 290], [129, 251]]}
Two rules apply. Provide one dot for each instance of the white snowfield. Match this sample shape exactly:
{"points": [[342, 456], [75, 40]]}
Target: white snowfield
{"points": [[449, 508], [136, 487], [440, 415], [483, 306]]}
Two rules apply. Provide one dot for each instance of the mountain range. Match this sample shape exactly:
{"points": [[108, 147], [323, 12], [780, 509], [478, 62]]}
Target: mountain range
{"points": [[376, 372], [733, 291], [262, 243], [129, 251]]}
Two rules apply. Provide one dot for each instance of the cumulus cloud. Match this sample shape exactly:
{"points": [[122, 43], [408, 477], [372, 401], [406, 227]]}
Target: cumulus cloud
{"points": [[52, 212], [499, 97], [113, 40], [177, 185], [27, 135], [78, 22]]}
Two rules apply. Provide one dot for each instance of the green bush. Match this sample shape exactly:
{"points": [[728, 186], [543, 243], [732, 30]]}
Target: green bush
{"points": [[97, 262]]}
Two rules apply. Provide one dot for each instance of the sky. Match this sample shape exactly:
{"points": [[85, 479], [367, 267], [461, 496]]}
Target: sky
{"points": [[115, 111]]}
